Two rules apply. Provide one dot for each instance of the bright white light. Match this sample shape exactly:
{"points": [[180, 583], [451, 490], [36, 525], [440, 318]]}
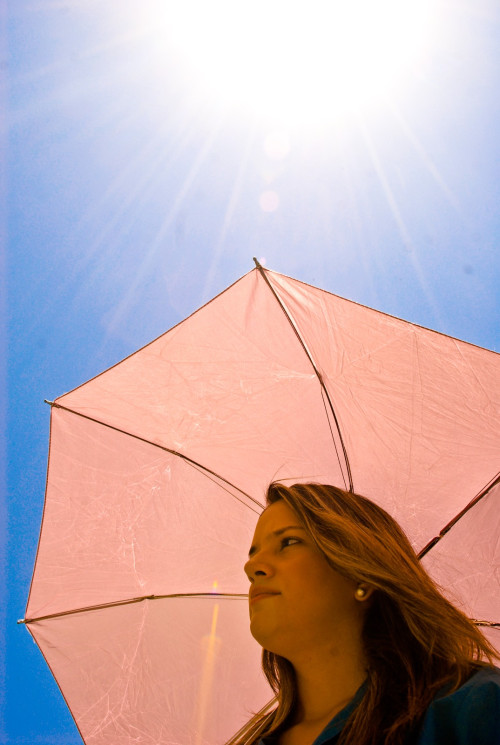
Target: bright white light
{"points": [[293, 60]]}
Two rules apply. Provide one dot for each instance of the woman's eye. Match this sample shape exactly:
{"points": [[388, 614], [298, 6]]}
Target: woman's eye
{"points": [[289, 541]]}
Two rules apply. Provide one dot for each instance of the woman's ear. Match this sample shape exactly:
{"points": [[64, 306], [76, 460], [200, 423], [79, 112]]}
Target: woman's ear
{"points": [[363, 592]]}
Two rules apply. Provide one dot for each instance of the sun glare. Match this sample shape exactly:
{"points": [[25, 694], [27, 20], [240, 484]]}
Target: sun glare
{"points": [[296, 61]]}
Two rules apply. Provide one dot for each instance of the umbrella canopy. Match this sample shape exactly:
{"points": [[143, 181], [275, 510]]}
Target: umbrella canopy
{"points": [[158, 469]]}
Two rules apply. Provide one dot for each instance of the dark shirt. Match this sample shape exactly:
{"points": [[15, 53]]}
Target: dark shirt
{"points": [[469, 716]]}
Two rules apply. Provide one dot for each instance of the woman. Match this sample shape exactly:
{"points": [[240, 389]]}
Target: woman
{"points": [[359, 646]]}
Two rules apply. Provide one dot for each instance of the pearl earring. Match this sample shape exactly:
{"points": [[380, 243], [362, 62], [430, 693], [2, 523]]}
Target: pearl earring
{"points": [[360, 593]]}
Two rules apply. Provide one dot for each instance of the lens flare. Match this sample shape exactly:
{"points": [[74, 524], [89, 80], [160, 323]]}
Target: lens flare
{"points": [[269, 201], [210, 646]]}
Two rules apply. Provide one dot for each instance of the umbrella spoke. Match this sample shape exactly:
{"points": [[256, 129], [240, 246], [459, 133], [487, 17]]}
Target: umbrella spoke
{"points": [[348, 483], [463, 541], [483, 493], [198, 466], [129, 601]]}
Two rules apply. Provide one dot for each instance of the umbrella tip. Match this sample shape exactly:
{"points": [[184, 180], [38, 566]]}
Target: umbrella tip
{"points": [[257, 263]]}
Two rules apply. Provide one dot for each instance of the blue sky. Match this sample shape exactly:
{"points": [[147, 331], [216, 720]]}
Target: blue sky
{"points": [[131, 198]]}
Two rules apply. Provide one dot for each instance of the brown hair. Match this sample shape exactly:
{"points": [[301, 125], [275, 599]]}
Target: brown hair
{"points": [[416, 642]]}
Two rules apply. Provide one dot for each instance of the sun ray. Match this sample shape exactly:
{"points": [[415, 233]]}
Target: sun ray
{"points": [[426, 159], [403, 230], [386, 188], [237, 189], [126, 302]]}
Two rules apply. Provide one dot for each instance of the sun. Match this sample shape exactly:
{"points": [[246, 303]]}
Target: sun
{"points": [[296, 61]]}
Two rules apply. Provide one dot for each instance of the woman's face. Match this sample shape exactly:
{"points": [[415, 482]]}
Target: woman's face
{"points": [[297, 601]]}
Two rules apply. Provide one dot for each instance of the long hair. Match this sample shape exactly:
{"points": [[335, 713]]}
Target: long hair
{"points": [[415, 641]]}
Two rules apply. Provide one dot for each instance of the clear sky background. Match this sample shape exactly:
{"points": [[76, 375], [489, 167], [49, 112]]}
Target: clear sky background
{"points": [[132, 192]]}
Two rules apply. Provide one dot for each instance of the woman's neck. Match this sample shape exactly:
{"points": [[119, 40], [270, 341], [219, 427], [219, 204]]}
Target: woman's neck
{"points": [[328, 678]]}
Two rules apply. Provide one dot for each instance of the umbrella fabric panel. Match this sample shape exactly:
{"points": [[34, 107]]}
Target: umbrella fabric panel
{"points": [[465, 562], [163, 670], [124, 519], [419, 411], [230, 387]]}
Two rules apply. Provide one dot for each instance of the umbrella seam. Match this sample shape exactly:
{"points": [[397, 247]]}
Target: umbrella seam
{"points": [[319, 376]]}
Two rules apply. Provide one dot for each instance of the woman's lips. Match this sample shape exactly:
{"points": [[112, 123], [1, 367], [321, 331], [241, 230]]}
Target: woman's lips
{"points": [[261, 593]]}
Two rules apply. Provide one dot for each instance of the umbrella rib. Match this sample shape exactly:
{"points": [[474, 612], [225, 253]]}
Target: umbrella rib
{"points": [[193, 463], [206, 595], [448, 526], [130, 601], [325, 404], [318, 375]]}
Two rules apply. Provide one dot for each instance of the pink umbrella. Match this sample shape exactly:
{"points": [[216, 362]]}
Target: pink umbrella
{"points": [[158, 469]]}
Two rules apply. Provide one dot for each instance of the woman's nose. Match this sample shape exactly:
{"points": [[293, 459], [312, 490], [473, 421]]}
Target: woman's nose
{"points": [[257, 567]]}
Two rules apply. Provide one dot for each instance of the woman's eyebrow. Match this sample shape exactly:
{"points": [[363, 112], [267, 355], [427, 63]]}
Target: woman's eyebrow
{"points": [[253, 548]]}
